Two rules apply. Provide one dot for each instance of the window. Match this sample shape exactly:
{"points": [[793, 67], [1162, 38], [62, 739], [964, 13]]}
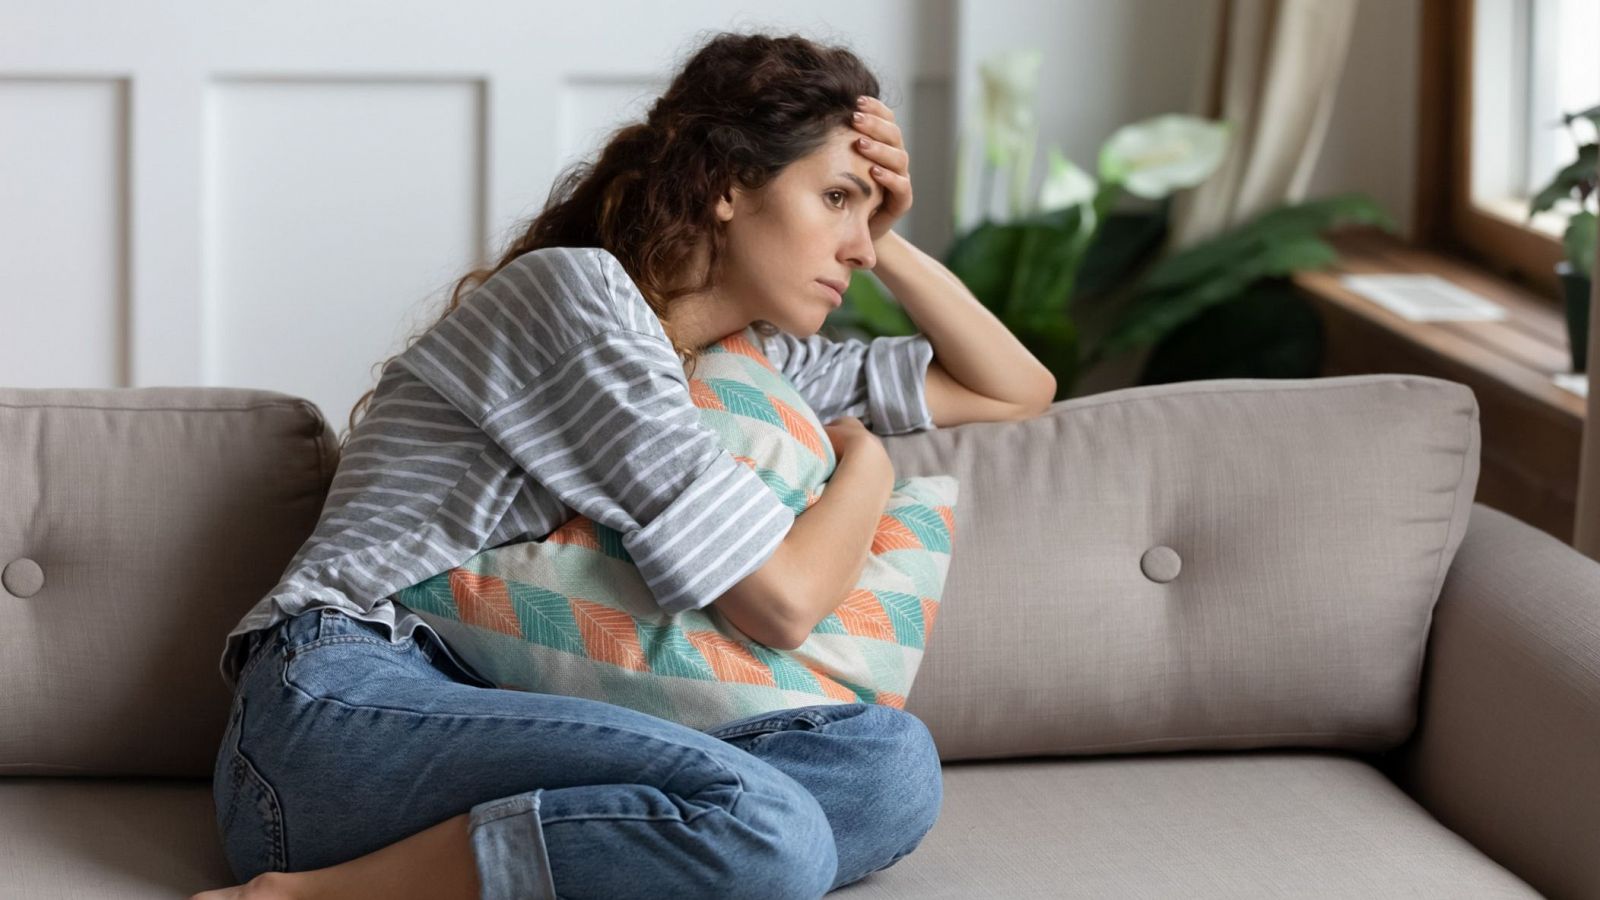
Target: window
{"points": [[1496, 76], [1533, 61]]}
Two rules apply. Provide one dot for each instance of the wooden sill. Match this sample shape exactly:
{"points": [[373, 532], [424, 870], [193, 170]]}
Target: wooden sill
{"points": [[1532, 430]]}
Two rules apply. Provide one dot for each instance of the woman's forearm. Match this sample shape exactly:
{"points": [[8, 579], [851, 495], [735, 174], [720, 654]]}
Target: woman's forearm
{"points": [[830, 541]]}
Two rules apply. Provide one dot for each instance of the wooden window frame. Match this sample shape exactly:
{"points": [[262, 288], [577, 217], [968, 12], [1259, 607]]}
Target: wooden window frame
{"points": [[1446, 219]]}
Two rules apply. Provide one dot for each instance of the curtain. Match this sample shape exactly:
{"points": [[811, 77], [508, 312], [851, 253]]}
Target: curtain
{"points": [[1273, 70]]}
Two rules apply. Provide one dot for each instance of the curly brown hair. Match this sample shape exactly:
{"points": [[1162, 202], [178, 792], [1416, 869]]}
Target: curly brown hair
{"points": [[741, 108]]}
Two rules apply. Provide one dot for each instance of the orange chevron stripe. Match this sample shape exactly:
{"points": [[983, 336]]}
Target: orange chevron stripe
{"points": [[738, 343], [889, 698], [729, 660], [862, 614], [930, 611], [577, 531], [949, 517], [893, 535], [609, 634], [484, 601], [829, 686], [703, 396], [797, 426]]}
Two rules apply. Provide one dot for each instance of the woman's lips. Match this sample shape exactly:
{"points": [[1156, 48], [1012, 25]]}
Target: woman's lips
{"points": [[838, 298]]}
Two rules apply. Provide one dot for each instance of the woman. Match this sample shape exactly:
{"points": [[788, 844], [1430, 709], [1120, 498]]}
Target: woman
{"points": [[363, 758]]}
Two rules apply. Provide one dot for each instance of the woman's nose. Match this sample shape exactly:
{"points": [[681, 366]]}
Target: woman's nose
{"points": [[861, 253]]}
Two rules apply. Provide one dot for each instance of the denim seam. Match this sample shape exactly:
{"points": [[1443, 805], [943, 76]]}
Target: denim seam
{"points": [[400, 645], [752, 728], [776, 722], [243, 770]]}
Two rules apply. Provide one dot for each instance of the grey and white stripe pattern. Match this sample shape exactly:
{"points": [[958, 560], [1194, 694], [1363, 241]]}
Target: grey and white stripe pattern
{"points": [[552, 391]]}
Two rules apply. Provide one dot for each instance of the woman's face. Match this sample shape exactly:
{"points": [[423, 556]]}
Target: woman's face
{"points": [[805, 227]]}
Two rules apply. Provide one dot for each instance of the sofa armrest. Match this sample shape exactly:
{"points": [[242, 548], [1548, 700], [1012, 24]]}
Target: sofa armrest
{"points": [[1507, 751]]}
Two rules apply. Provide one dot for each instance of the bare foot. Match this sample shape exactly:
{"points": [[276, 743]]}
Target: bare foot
{"points": [[266, 886]]}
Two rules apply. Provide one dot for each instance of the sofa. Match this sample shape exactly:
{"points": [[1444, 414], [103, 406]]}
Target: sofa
{"points": [[1214, 639]]}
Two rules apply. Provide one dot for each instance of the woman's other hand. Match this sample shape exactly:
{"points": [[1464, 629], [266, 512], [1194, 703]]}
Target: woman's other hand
{"points": [[882, 143], [853, 440]]}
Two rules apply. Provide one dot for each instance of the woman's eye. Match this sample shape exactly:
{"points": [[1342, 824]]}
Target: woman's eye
{"points": [[840, 193]]}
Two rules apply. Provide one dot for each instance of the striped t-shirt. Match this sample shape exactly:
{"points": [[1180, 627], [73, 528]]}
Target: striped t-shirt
{"points": [[550, 391]]}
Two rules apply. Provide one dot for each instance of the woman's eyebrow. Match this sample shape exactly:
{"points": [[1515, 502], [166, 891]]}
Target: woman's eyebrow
{"points": [[862, 186]]}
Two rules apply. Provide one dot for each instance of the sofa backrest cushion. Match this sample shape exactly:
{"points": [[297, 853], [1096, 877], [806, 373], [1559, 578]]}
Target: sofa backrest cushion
{"points": [[1221, 564], [137, 526]]}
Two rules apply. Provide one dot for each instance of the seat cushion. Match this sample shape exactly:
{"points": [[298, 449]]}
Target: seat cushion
{"points": [[1207, 565], [1193, 825], [92, 838]]}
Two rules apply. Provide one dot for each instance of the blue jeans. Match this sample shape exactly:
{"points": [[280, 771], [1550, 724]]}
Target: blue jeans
{"points": [[340, 742]]}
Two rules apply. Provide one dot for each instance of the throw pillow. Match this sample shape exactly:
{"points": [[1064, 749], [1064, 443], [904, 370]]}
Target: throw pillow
{"points": [[571, 615]]}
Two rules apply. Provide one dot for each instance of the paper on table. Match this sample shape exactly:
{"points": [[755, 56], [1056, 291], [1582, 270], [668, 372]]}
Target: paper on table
{"points": [[1578, 383], [1424, 298]]}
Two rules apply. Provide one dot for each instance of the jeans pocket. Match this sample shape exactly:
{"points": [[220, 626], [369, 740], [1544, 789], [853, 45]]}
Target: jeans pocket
{"points": [[249, 816], [748, 733]]}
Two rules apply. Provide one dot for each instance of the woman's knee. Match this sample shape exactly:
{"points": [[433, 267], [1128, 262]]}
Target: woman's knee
{"points": [[913, 764], [788, 836]]}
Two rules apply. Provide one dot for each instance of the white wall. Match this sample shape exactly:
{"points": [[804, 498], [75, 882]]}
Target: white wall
{"points": [[278, 195]]}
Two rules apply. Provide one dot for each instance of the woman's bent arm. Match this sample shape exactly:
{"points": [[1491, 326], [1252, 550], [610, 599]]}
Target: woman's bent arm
{"points": [[833, 538]]}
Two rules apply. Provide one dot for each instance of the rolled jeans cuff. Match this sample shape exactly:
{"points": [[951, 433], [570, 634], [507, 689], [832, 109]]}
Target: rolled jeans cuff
{"points": [[508, 844]]}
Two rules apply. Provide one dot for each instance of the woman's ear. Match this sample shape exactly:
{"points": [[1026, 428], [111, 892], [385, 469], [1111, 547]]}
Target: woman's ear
{"points": [[724, 210]]}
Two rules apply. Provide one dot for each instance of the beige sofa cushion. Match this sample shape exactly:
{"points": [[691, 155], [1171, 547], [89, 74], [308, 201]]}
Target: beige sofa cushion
{"points": [[136, 527], [1231, 563]]}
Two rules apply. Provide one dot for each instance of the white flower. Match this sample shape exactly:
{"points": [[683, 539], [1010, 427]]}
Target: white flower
{"points": [[1065, 184], [1157, 156], [1008, 85]]}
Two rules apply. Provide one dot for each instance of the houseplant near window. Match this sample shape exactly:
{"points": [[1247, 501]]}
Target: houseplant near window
{"points": [[1070, 243], [1577, 181]]}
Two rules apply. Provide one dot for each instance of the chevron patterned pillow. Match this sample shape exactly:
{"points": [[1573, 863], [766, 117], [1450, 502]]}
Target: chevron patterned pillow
{"points": [[571, 615]]}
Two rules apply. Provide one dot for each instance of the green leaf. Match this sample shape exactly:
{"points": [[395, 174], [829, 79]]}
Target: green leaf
{"points": [[1152, 314], [1580, 239], [1119, 246], [869, 307], [1573, 179], [985, 259], [1592, 114], [1047, 263], [1194, 264]]}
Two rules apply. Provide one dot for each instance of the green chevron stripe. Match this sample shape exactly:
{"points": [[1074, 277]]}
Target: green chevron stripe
{"points": [[744, 400], [668, 652], [925, 524], [431, 595], [546, 617], [830, 624], [789, 674], [905, 611]]}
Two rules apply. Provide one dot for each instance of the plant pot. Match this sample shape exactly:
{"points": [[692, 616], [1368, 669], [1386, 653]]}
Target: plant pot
{"points": [[1577, 288]]}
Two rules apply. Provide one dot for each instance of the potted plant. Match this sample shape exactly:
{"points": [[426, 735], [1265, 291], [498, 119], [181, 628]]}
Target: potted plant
{"points": [[1576, 181], [1025, 268], [1069, 243]]}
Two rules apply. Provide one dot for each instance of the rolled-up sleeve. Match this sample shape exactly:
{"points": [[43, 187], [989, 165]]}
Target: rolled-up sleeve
{"points": [[608, 426], [882, 382]]}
